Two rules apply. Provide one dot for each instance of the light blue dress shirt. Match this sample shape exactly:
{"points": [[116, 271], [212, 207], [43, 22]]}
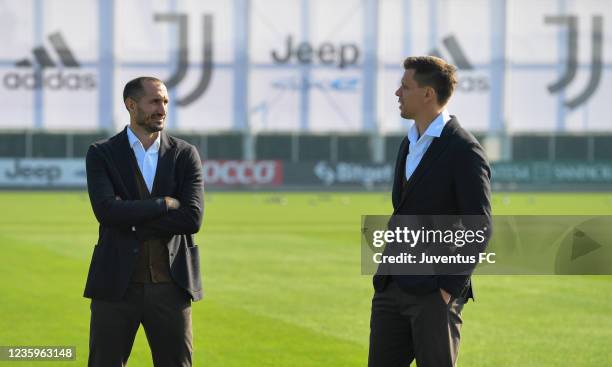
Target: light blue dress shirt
{"points": [[418, 146], [147, 159]]}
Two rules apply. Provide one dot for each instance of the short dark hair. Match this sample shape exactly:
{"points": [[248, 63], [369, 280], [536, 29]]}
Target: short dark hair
{"points": [[134, 88], [431, 71]]}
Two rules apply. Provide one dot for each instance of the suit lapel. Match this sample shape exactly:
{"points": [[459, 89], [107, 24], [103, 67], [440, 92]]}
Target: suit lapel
{"points": [[165, 160], [125, 161], [400, 172], [428, 161]]}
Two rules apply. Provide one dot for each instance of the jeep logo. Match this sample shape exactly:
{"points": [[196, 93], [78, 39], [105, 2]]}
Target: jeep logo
{"points": [[342, 55], [37, 172]]}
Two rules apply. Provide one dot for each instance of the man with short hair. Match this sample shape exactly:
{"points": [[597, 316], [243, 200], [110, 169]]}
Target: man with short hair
{"points": [[146, 190], [440, 170]]}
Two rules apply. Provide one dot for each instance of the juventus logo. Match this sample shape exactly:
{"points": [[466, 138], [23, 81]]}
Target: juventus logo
{"points": [[571, 22], [183, 54]]}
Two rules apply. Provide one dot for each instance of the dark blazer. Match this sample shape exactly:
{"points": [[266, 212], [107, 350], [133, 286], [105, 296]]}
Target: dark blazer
{"points": [[453, 178], [110, 174]]}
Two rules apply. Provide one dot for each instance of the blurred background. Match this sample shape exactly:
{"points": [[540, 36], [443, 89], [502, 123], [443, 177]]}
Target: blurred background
{"points": [[298, 95]]}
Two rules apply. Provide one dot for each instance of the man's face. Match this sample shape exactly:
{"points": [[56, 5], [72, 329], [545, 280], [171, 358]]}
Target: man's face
{"points": [[151, 108], [411, 96]]}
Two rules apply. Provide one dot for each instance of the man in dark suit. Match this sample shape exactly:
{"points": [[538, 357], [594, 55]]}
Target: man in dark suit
{"points": [[440, 170], [145, 189]]}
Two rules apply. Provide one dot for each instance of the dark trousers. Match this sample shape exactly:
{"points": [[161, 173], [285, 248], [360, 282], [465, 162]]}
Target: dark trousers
{"points": [[163, 309], [405, 327]]}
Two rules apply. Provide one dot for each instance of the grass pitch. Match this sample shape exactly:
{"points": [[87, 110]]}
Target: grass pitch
{"points": [[283, 284]]}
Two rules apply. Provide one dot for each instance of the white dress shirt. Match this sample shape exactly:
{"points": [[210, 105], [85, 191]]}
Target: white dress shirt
{"points": [[418, 146], [147, 159]]}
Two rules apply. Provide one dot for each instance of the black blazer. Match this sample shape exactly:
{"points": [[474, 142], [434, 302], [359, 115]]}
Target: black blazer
{"points": [[124, 222], [453, 178]]}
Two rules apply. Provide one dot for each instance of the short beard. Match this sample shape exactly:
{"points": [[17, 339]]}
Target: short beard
{"points": [[152, 129], [140, 121]]}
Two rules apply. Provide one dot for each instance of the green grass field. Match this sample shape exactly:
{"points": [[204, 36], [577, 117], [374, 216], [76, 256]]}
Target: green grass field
{"points": [[283, 284]]}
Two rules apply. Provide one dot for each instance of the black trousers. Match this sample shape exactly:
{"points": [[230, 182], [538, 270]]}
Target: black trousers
{"points": [[405, 327], [163, 309]]}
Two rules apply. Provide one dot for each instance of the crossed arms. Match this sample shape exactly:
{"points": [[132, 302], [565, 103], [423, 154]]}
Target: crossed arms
{"points": [[154, 217]]}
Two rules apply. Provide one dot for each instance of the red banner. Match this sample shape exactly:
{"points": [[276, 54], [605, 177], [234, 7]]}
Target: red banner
{"points": [[242, 173]]}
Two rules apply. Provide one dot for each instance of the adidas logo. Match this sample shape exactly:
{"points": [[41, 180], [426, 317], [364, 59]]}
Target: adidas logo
{"points": [[466, 83], [44, 60], [456, 53], [39, 78]]}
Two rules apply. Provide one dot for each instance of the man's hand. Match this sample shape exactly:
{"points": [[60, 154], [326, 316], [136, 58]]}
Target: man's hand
{"points": [[445, 295], [172, 203]]}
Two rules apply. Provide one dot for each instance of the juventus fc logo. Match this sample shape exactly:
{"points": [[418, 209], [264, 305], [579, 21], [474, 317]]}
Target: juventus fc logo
{"points": [[571, 22], [183, 54]]}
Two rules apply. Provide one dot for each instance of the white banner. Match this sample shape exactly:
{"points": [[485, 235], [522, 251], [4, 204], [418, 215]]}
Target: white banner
{"points": [[560, 57], [293, 65], [42, 173], [153, 35]]}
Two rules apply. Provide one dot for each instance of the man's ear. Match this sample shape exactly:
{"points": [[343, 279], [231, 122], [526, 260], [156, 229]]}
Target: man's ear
{"points": [[130, 104], [430, 94]]}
